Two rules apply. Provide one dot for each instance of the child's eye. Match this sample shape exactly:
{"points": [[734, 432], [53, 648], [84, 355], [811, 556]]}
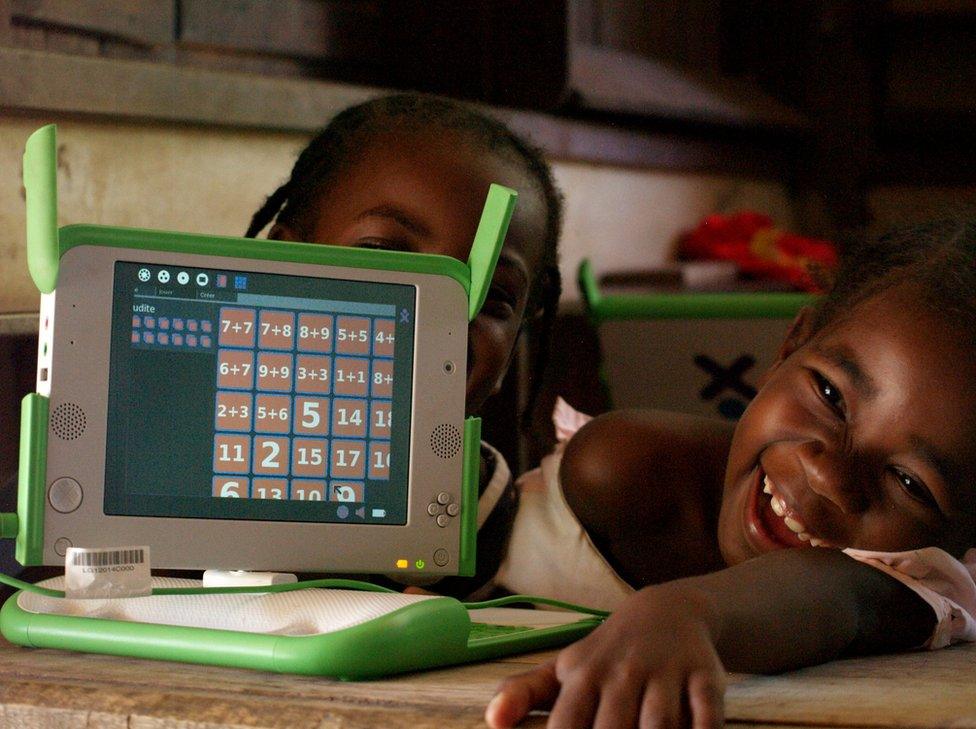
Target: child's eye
{"points": [[914, 488], [499, 303], [382, 244], [501, 294], [829, 392]]}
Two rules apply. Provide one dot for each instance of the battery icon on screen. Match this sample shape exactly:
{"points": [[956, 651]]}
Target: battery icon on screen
{"points": [[378, 513]]}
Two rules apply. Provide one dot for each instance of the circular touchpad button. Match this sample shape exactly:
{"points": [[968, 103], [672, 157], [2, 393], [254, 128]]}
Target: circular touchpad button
{"points": [[62, 546], [65, 495]]}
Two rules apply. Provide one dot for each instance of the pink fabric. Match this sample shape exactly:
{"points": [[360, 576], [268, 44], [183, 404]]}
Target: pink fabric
{"points": [[944, 582], [567, 420]]}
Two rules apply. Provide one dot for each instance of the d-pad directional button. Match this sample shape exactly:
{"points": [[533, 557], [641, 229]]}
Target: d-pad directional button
{"points": [[443, 508]]}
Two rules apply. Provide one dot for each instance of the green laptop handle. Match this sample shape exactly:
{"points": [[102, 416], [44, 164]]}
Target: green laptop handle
{"points": [[45, 245], [603, 307]]}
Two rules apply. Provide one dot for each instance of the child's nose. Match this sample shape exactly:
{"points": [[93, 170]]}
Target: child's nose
{"points": [[831, 474]]}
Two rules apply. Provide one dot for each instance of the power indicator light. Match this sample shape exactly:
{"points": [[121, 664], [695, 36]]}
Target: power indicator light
{"points": [[402, 564], [420, 564]]}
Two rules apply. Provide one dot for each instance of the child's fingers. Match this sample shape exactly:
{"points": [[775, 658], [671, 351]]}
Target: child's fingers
{"points": [[619, 705], [575, 706], [518, 695], [661, 707], [706, 699]]}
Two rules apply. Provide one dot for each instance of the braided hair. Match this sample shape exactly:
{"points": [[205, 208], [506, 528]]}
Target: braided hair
{"points": [[334, 148]]}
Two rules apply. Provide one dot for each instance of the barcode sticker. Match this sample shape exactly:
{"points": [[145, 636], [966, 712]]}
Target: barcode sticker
{"points": [[106, 573]]}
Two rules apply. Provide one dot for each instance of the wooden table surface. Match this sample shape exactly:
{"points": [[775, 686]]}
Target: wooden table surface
{"points": [[47, 688]]}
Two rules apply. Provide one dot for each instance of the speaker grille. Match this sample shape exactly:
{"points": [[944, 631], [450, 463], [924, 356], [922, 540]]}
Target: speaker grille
{"points": [[68, 421], [445, 441]]}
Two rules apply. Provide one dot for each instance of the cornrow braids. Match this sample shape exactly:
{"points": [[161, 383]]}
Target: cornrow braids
{"points": [[335, 147], [938, 256]]}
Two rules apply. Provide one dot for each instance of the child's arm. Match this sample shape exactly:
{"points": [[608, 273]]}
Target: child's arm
{"points": [[780, 611]]}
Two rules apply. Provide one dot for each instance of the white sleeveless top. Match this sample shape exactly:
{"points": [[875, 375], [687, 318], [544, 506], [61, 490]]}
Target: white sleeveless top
{"points": [[549, 552]]}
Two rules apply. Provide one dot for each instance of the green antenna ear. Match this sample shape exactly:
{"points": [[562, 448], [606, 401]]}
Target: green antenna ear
{"points": [[41, 183], [488, 241]]}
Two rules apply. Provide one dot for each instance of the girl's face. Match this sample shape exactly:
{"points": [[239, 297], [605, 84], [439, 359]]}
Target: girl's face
{"points": [[862, 435], [409, 191]]}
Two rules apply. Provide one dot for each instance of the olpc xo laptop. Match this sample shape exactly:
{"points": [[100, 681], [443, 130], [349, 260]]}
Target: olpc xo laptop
{"points": [[254, 405]]}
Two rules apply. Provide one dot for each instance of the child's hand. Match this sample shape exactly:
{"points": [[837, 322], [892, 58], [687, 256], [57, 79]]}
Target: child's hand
{"points": [[653, 663], [413, 590]]}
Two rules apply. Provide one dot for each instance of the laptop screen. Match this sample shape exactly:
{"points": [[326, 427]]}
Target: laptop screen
{"points": [[258, 396]]}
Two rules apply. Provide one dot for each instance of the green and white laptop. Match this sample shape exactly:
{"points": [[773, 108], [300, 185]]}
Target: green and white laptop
{"points": [[236, 404]]}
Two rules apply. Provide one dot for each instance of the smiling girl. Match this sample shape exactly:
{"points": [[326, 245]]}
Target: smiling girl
{"points": [[410, 172], [835, 518]]}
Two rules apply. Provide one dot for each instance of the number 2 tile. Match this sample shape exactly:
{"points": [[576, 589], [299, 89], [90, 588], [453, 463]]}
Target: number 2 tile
{"points": [[270, 455]]}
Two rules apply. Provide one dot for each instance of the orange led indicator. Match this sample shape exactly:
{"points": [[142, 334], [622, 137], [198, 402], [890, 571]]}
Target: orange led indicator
{"points": [[402, 564]]}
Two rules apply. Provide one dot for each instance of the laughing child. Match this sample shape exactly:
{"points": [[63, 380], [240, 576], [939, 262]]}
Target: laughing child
{"points": [[835, 518]]}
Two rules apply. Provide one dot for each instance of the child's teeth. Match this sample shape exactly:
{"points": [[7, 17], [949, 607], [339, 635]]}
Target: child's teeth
{"points": [[793, 524], [779, 508]]}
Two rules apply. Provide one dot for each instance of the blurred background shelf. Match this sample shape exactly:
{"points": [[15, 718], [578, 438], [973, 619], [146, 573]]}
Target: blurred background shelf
{"points": [[870, 93], [17, 325], [829, 115]]}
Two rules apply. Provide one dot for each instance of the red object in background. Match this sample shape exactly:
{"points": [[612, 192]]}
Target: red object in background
{"points": [[760, 249]]}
